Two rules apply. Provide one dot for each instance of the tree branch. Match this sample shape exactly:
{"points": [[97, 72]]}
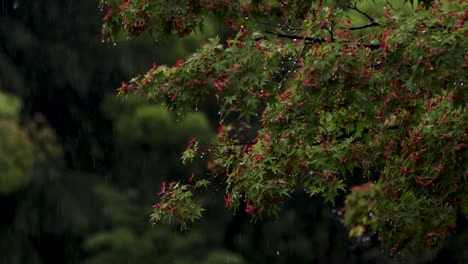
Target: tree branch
{"points": [[285, 77], [354, 7], [280, 26], [313, 40], [370, 24]]}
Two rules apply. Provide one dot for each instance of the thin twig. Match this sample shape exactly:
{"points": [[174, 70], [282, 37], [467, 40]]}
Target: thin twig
{"points": [[354, 7], [280, 26], [285, 77], [313, 40], [372, 46], [330, 31], [370, 24], [316, 40]]}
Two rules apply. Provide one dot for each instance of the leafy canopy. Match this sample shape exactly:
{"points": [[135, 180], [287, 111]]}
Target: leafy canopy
{"points": [[311, 99]]}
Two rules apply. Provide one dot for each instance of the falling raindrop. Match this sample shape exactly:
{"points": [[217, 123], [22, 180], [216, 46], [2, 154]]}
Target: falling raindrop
{"points": [[246, 18], [277, 253]]}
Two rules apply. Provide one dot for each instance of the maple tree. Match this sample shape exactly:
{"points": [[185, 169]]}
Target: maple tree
{"points": [[311, 99]]}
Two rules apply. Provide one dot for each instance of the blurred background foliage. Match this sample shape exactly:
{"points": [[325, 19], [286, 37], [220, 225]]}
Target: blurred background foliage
{"points": [[80, 168], [16, 150]]}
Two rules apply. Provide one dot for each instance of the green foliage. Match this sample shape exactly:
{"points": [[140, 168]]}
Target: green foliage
{"points": [[360, 214], [141, 123], [9, 107], [222, 256], [120, 246], [325, 104], [126, 211], [135, 129], [16, 157], [177, 202], [16, 149]]}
